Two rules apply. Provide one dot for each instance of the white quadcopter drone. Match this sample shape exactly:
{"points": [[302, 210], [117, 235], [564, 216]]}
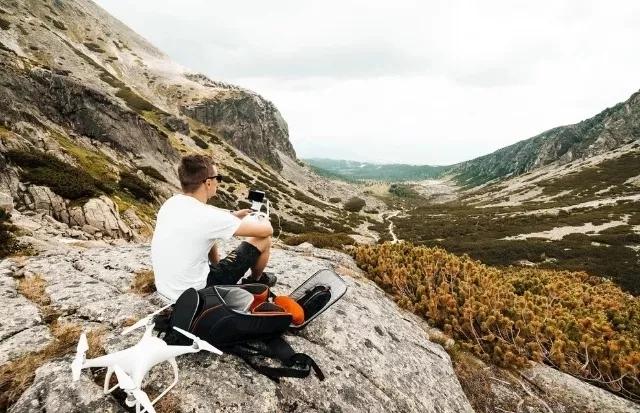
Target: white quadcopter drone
{"points": [[132, 364]]}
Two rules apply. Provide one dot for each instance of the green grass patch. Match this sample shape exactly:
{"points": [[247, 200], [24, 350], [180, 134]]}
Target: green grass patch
{"points": [[212, 138], [478, 232], [135, 186], [63, 179], [135, 102], [95, 163]]}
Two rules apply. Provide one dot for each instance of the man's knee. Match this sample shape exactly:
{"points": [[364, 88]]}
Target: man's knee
{"points": [[261, 244]]}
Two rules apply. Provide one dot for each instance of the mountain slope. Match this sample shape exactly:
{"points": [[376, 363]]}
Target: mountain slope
{"points": [[610, 129]]}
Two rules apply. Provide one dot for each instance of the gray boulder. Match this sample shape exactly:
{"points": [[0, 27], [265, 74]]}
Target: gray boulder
{"points": [[53, 391], [42, 199], [31, 339], [97, 214], [101, 213], [18, 313], [576, 394]]}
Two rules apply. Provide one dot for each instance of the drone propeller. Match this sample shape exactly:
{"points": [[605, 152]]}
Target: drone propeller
{"points": [[203, 345], [143, 321], [78, 361], [127, 384]]}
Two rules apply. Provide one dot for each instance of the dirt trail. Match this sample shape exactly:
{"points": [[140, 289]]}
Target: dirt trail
{"points": [[394, 238]]}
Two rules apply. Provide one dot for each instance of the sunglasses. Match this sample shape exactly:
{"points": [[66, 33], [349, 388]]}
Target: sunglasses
{"points": [[216, 177]]}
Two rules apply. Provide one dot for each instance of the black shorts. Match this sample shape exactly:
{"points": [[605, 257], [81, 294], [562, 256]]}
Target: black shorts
{"points": [[231, 268]]}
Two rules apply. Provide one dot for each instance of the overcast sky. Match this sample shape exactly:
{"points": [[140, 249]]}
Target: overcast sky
{"points": [[424, 82]]}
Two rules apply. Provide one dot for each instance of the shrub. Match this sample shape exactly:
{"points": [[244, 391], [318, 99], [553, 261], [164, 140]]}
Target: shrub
{"points": [[8, 242], [4, 24], [63, 179], [334, 200], [59, 25], [136, 186], [225, 200], [403, 191], [577, 237], [291, 227], [201, 144], [321, 240], [354, 204], [153, 173], [92, 46], [583, 325]]}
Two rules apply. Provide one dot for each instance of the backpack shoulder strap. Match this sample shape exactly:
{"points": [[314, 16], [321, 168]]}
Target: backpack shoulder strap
{"points": [[296, 364]]}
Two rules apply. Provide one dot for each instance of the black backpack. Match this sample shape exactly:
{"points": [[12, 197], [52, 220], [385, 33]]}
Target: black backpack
{"points": [[240, 320]]}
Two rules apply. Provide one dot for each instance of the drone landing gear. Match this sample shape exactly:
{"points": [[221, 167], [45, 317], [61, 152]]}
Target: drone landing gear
{"points": [[131, 400]]}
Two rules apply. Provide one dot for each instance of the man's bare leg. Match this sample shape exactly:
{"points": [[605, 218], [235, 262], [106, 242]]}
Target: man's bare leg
{"points": [[264, 246]]}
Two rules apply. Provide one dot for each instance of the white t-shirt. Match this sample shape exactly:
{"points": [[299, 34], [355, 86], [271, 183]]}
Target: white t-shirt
{"points": [[186, 229]]}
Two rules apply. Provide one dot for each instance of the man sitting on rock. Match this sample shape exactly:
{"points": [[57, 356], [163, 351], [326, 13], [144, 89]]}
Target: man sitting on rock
{"points": [[184, 251]]}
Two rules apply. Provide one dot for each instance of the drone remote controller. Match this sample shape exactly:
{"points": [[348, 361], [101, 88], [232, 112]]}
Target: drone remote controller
{"points": [[258, 200]]}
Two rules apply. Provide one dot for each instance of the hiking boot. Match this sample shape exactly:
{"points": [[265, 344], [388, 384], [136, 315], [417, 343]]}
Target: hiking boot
{"points": [[266, 278]]}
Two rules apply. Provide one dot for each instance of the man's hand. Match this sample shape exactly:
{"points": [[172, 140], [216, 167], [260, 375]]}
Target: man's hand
{"points": [[242, 213]]}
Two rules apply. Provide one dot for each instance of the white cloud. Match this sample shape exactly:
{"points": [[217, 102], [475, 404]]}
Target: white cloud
{"points": [[407, 81]]}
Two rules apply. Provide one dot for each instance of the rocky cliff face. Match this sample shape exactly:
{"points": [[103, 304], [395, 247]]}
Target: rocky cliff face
{"points": [[249, 122], [610, 129], [77, 39]]}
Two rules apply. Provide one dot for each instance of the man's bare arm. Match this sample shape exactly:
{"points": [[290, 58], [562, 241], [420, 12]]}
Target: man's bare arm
{"points": [[214, 255]]}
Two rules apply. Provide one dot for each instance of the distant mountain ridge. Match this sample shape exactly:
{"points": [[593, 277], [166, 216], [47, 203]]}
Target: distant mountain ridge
{"points": [[355, 170], [610, 129]]}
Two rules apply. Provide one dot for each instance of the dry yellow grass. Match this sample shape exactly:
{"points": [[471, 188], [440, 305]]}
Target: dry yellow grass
{"points": [[34, 288], [168, 404], [17, 375], [143, 282]]}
